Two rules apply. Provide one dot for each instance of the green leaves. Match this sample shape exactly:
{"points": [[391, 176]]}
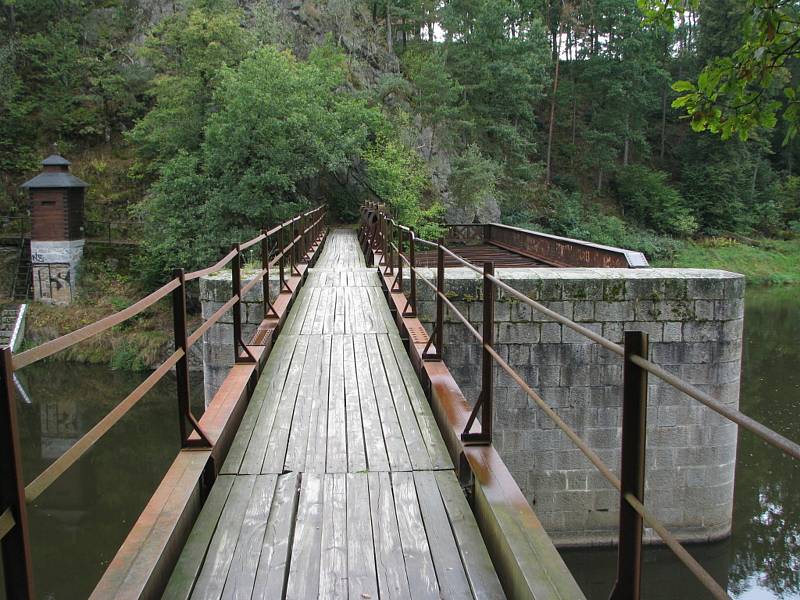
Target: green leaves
{"points": [[740, 93], [278, 123], [683, 86]]}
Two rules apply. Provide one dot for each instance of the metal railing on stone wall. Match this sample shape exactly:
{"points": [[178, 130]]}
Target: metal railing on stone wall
{"points": [[394, 246]]}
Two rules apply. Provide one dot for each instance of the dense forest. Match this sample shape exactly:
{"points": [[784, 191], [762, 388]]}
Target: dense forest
{"points": [[630, 123]]}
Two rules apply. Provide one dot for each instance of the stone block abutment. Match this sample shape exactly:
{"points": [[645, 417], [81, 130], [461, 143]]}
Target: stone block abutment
{"points": [[694, 319]]}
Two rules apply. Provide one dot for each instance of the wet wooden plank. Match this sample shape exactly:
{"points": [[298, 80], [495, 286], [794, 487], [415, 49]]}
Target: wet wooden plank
{"points": [[278, 400], [356, 450], [474, 555], [336, 436], [277, 439], [242, 573], [415, 444], [188, 567], [453, 582], [260, 411], [215, 569], [392, 433], [377, 457], [440, 459], [381, 309], [362, 581], [316, 448], [298, 312], [274, 560], [304, 569], [307, 327], [333, 571], [419, 562], [389, 562], [339, 326], [297, 445]]}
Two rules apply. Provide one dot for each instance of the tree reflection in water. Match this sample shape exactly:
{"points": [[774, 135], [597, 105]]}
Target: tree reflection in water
{"points": [[766, 553]]}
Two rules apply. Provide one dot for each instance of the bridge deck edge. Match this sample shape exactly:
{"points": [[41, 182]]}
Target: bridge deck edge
{"points": [[525, 558], [143, 564]]}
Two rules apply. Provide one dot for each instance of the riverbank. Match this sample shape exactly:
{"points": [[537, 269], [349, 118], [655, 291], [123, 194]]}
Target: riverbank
{"points": [[107, 285], [764, 262]]}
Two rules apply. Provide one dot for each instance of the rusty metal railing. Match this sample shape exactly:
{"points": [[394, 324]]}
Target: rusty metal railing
{"points": [[553, 250], [293, 241], [382, 236]]}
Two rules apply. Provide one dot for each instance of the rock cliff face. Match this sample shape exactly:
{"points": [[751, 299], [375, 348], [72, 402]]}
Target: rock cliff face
{"points": [[305, 24]]}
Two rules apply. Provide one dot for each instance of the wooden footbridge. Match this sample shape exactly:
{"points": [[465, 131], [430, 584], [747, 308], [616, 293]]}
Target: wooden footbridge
{"points": [[340, 459]]}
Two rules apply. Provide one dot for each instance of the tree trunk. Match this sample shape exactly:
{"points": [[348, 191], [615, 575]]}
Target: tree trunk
{"points": [[599, 179], [389, 28], [548, 168], [626, 146], [663, 124], [574, 117], [404, 33]]}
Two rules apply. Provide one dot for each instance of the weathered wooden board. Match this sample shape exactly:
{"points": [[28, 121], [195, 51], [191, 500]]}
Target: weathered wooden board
{"points": [[338, 484]]}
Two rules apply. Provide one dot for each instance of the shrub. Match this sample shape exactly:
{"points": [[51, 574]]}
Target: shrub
{"points": [[646, 198]]}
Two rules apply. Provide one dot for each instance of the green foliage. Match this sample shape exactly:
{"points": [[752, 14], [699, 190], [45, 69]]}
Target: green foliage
{"points": [[474, 178], [762, 261], [437, 94], [754, 85], [503, 77], [400, 178], [647, 198], [279, 124], [173, 217], [188, 52], [571, 216]]}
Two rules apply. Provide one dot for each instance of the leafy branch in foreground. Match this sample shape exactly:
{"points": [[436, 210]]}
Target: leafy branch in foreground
{"points": [[754, 86]]}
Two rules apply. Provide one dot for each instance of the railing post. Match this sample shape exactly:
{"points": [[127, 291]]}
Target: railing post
{"points": [[236, 285], [303, 240], [390, 250], [399, 280], [282, 260], [382, 240], [16, 550], [181, 343], [439, 338], [412, 276], [486, 398], [295, 248], [182, 368], [632, 468], [265, 276]]}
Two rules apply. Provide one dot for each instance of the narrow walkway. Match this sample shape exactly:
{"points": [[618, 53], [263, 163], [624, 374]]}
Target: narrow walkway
{"points": [[338, 484]]}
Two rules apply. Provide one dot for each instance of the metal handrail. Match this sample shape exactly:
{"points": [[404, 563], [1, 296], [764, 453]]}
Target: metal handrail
{"points": [[376, 239], [13, 519]]}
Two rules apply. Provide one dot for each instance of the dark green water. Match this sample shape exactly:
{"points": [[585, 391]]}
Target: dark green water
{"points": [[78, 524], [761, 559]]}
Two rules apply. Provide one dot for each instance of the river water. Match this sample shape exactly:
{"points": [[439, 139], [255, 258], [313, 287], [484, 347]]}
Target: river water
{"points": [[79, 523]]}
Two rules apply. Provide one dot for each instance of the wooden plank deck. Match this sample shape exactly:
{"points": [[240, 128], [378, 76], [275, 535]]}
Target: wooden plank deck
{"points": [[338, 483]]}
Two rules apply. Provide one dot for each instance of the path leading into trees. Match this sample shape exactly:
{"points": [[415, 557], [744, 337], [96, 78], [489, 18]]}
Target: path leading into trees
{"points": [[338, 483]]}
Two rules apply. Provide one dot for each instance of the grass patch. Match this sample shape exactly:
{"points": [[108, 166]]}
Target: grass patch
{"points": [[765, 262], [106, 286]]}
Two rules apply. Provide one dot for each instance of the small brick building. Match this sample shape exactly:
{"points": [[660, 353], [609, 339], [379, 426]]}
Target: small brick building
{"points": [[57, 236]]}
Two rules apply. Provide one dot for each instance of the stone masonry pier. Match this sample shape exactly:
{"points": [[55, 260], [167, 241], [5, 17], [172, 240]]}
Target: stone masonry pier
{"points": [[694, 320], [215, 290]]}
